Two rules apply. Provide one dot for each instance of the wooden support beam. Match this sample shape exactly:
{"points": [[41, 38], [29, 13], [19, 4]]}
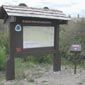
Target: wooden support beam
{"points": [[10, 70], [57, 58]]}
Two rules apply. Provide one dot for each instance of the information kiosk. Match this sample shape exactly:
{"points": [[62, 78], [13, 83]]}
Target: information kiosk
{"points": [[32, 31]]}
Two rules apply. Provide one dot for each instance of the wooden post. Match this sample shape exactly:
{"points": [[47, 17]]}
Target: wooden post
{"points": [[57, 58], [10, 71], [10, 74]]}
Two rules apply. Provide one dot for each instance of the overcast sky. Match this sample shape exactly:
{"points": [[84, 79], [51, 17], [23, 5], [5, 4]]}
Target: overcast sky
{"points": [[69, 7]]}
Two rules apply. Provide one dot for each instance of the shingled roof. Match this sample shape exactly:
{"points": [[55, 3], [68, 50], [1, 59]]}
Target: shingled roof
{"points": [[21, 11]]}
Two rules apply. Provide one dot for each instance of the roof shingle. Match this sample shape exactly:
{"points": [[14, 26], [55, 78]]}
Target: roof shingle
{"points": [[34, 12]]}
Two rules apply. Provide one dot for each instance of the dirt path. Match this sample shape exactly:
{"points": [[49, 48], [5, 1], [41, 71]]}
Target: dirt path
{"points": [[64, 77], [41, 76]]}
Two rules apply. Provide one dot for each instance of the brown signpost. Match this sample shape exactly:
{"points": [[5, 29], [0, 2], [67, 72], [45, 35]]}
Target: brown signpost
{"points": [[76, 50], [20, 20]]}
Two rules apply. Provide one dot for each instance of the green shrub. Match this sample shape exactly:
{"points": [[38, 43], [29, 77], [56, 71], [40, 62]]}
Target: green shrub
{"points": [[2, 58], [39, 58], [4, 41], [3, 49]]}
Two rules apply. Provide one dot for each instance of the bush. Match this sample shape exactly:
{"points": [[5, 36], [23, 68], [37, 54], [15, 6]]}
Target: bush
{"points": [[4, 41], [2, 58], [45, 58], [3, 49], [39, 58]]}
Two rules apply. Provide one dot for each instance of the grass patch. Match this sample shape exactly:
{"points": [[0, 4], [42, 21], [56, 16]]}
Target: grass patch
{"points": [[29, 70], [20, 67], [31, 80]]}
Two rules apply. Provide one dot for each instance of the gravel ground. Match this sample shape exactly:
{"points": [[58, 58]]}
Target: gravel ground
{"points": [[46, 76]]}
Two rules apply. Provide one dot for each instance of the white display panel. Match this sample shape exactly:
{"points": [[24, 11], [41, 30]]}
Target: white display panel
{"points": [[37, 36]]}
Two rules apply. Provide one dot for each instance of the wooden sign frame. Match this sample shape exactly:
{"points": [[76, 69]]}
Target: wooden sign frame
{"points": [[16, 43]]}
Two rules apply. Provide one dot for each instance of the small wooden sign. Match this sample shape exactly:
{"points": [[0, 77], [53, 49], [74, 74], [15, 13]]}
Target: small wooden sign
{"points": [[75, 48], [18, 50]]}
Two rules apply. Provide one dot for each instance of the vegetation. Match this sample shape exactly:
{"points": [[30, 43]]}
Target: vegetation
{"points": [[3, 50], [73, 33], [2, 58]]}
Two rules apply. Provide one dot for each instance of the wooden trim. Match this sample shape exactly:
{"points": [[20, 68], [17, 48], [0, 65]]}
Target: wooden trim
{"points": [[11, 19], [37, 50], [16, 48]]}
